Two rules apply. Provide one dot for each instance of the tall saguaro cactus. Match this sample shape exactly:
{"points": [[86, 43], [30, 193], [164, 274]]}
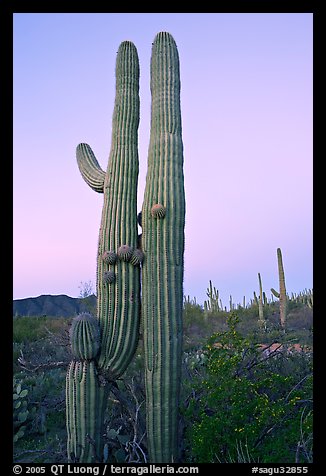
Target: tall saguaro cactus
{"points": [[118, 271], [282, 293], [163, 220]]}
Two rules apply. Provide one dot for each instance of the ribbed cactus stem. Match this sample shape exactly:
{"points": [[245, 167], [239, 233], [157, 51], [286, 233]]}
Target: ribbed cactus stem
{"points": [[85, 407], [89, 168], [163, 246], [118, 303]]}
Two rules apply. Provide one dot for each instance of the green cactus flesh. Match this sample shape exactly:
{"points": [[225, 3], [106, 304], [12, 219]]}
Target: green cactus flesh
{"points": [[163, 246]]}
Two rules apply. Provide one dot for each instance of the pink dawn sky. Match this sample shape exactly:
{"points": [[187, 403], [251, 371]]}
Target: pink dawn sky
{"points": [[246, 99]]}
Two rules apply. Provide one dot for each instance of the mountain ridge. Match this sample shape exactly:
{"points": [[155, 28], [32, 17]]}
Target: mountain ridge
{"points": [[58, 305]]}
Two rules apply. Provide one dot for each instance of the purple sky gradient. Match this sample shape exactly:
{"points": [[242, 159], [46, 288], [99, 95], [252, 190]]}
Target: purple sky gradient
{"points": [[246, 98]]}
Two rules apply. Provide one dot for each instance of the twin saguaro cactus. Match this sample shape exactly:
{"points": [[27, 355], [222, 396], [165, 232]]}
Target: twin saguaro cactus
{"points": [[104, 346]]}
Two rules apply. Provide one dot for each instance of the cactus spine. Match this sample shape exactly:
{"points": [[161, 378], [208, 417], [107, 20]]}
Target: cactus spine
{"points": [[281, 295], [163, 219], [118, 280]]}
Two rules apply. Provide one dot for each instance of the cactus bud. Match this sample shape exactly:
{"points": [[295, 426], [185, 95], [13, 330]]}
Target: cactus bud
{"points": [[85, 337], [108, 277], [109, 257], [137, 257], [125, 252], [158, 211]]}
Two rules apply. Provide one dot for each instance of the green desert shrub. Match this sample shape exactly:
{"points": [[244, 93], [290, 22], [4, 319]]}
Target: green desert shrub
{"points": [[29, 329], [246, 406]]}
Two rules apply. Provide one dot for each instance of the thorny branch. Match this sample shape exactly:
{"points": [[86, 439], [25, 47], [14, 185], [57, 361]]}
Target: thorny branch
{"points": [[34, 368]]}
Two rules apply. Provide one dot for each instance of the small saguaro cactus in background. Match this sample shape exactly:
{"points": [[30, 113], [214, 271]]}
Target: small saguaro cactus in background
{"points": [[232, 305], [281, 295], [265, 300], [310, 300], [163, 220], [102, 354], [212, 305], [261, 318]]}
